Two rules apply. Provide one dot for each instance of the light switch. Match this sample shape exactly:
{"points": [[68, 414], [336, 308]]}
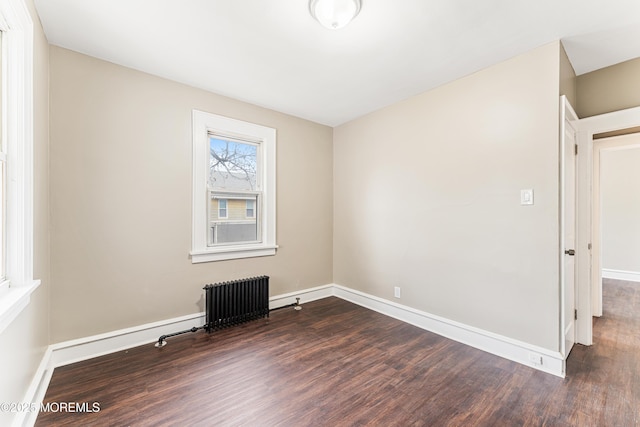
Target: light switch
{"points": [[526, 197]]}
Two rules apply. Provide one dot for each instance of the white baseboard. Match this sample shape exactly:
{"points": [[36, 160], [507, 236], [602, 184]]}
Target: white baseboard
{"points": [[68, 352], [80, 349], [517, 351], [306, 295], [36, 391], [73, 351], [629, 276]]}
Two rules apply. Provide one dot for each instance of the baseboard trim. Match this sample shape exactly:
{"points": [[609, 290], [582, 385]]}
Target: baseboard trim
{"points": [[629, 276], [36, 391], [517, 351], [305, 295], [73, 351], [67, 352]]}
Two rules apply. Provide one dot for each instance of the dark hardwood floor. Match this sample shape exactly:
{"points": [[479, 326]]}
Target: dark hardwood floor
{"points": [[337, 364]]}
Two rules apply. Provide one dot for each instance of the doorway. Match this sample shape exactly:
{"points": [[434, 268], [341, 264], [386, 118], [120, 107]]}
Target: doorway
{"points": [[588, 261], [616, 212]]}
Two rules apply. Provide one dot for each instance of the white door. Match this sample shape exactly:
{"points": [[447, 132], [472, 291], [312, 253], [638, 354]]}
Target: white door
{"points": [[569, 234]]}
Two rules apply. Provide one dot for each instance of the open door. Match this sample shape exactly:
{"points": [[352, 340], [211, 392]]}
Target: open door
{"points": [[568, 153]]}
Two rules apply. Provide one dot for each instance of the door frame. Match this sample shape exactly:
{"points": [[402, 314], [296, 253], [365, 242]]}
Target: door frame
{"points": [[587, 286], [613, 143], [568, 117]]}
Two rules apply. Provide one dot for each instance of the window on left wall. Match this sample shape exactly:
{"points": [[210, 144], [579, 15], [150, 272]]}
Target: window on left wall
{"points": [[16, 160], [3, 170]]}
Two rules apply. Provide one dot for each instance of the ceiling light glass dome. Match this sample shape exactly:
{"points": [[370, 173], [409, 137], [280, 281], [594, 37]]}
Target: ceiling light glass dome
{"points": [[334, 14]]}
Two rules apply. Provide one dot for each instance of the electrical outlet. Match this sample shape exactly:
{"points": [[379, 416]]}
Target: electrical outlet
{"points": [[536, 359], [396, 292]]}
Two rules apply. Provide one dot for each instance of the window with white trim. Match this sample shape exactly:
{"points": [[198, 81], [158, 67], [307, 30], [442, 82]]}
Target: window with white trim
{"points": [[16, 159], [233, 189], [3, 167]]}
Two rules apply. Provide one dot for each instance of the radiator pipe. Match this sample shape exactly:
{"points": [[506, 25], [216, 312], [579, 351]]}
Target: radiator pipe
{"points": [[162, 341], [296, 305]]}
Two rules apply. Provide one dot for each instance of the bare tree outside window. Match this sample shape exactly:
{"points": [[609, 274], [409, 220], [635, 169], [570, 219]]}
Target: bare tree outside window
{"points": [[232, 165], [233, 186]]}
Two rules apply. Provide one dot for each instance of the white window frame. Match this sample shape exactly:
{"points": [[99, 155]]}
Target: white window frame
{"points": [[17, 95], [205, 124]]}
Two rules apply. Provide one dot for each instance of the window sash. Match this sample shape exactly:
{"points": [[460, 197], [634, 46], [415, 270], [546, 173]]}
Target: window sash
{"points": [[232, 220]]}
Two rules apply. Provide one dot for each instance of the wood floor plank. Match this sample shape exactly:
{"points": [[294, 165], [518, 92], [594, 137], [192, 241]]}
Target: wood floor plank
{"points": [[337, 364]]}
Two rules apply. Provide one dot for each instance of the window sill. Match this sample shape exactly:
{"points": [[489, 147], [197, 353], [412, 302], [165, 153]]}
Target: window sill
{"points": [[221, 254], [13, 300]]}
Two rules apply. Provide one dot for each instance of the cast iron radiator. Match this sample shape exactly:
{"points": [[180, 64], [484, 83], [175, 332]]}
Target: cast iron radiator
{"points": [[238, 301], [232, 303]]}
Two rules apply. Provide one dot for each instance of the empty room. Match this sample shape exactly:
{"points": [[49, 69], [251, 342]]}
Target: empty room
{"points": [[319, 213]]}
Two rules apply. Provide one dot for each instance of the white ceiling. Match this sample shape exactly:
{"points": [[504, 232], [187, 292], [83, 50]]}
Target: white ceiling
{"points": [[273, 54]]}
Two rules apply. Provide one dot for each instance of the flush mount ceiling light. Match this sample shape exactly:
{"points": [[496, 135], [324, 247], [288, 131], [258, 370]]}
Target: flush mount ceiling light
{"points": [[334, 14]]}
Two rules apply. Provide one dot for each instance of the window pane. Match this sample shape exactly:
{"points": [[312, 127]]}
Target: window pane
{"points": [[230, 220], [232, 164]]}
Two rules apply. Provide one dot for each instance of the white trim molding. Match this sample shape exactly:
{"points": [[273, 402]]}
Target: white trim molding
{"points": [[588, 258], [77, 350], [204, 124], [17, 27], [628, 276], [306, 295], [67, 352], [552, 362], [536, 357], [73, 351], [36, 391], [13, 301]]}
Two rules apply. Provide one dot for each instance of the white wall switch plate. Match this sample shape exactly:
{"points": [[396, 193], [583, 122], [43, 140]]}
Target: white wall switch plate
{"points": [[526, 197]]}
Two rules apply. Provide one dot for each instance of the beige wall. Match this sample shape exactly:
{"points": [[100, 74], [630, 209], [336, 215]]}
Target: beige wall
{"points": [[459, 155], [120, 142], [609, 89], [568, 79], [23, 343], [620, 205]]}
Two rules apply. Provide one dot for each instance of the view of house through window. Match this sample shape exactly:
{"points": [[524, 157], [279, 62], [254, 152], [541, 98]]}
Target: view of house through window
{"points": [[234, 191]]}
